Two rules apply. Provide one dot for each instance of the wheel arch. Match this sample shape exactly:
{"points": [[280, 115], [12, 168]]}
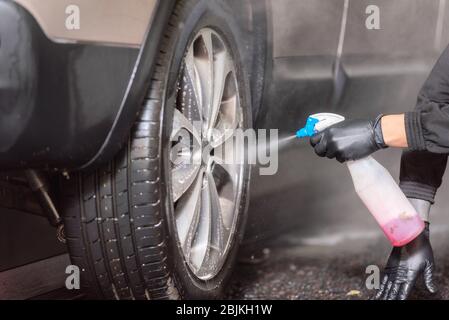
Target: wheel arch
{"points": [[138, 86]]}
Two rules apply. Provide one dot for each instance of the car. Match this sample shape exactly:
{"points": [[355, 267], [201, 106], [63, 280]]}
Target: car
{"points": [[93, 92]]}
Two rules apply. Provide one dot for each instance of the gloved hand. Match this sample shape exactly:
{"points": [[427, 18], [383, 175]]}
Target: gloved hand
{"points": [[404, 267], [349, 140]]}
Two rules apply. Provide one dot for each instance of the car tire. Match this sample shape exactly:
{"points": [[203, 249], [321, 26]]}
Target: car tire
{"points": [[119, 220]]}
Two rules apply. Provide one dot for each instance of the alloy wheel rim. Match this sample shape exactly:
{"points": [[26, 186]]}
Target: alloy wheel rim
{"points": [[206, 170]]}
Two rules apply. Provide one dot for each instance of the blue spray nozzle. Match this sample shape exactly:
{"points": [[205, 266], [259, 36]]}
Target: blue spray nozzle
{"points": [[309, 129], [319, 122]]}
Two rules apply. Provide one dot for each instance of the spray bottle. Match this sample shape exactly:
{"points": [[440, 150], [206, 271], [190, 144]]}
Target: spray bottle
{"points": [[376, 188]]}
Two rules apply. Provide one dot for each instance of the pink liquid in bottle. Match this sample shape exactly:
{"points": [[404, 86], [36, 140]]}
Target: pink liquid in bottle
{"points": [[401, 231], [387, 203]]}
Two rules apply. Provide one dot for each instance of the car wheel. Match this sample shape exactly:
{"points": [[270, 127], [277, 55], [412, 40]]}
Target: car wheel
{"points": [[160, 221]]}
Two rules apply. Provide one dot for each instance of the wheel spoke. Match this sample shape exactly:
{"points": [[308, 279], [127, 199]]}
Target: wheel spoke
{"points": [[186, 154], [221, 69], [188, 208], [218, 234], [230, 166], [194, 79], [183, 176], [181, 122], [202, 238], [228, 170], [203, 61], [227, 123]]}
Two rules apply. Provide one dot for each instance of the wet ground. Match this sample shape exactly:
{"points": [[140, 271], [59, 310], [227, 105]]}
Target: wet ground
{"points": [[298, 268]]}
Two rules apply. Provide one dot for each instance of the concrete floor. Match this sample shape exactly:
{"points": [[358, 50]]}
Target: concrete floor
{"points": [[25, 238], [328, 268]]}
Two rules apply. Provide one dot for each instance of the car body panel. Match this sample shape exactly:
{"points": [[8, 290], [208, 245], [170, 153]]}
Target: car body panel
{"points": [[386, 67], [305, 36], [116, 22]]}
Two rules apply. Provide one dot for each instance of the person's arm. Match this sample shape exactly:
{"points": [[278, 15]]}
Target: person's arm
{"points": [[427, 130], [424, 129], [393, 130], [427, 127]]}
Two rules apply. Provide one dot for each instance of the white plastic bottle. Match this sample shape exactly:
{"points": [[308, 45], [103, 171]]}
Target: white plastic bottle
{"points": [[377, 189]]}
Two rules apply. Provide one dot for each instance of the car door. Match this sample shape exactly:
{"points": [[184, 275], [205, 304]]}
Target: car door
{"points": [[303, 40], [386, 64]]}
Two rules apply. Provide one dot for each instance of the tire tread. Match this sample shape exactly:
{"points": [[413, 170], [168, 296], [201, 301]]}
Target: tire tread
{"points": [[114, 225]]}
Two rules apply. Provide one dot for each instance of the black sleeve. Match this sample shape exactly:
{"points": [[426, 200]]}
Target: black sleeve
{"points": [[421, 174], [427, 126]]}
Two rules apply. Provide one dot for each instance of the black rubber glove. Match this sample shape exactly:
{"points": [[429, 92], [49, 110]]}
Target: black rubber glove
{"points": [[404, 267], [349, 140]]}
